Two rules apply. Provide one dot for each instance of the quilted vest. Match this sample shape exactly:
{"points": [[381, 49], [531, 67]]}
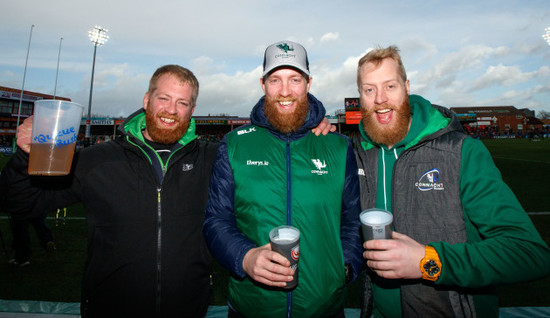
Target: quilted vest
{"points": [[426, 207], [300, 183]]}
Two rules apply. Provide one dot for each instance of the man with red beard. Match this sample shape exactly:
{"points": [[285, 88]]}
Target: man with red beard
{"points": [[276, 172], [458, 229], [144, 195]]}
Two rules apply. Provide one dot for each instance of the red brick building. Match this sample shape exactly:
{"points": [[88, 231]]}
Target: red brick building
{"points": [[498, 119], [9, 107]]}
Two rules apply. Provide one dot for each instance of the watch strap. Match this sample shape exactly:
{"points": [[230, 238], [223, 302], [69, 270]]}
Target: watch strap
{"points": [[430, 265]]}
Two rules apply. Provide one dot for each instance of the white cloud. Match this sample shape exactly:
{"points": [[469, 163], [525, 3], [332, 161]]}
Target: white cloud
{"points": [[500, 75], [329, 37]]}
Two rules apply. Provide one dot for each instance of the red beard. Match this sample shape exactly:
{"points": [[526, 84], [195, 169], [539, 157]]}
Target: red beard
{"points": [[286, 122], [162, 135], [390, 134]]}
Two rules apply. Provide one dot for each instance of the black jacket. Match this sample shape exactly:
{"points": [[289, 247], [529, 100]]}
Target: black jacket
{"points": [[146, 252]]}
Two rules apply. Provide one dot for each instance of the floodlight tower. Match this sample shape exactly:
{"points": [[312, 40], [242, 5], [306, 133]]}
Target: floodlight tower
{"points": [[546, 35], [98, 36]]}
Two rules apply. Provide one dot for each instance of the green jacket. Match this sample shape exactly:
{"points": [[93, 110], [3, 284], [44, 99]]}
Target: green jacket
{"points": [[501, 244], [262, 205]]}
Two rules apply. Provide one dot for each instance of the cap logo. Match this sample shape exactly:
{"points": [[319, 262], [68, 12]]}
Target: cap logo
{"points": [[284, 47]]}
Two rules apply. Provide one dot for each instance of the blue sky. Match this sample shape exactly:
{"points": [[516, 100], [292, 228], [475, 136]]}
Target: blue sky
{"points": [[456, 53]]}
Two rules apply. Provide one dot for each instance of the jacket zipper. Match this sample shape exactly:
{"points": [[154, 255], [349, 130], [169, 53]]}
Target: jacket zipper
{"points": [[159, 243], [288, 213], [164, 168]]}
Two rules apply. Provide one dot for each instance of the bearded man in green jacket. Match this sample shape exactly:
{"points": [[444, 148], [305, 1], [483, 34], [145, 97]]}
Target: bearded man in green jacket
{"points": [[459, 229]]}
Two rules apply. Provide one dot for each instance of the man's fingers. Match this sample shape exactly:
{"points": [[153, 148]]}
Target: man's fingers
{"points": [[278, 258]]}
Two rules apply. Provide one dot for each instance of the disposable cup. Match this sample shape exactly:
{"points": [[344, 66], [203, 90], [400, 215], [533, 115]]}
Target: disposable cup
{"points": [[55, 128], [376, 224], [285, 240]]}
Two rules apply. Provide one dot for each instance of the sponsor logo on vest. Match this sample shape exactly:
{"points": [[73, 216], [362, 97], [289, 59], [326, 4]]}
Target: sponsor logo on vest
{"points": [[257, 163], [320, 166], [246, 131], [428, 181], [361, 172], [186, 166]]}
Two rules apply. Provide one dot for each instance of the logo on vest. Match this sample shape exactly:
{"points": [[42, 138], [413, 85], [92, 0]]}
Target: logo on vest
{"points": [[246, 131], [186, 167], [428, 181], [257, 163], [319, 167], [361, 172]]}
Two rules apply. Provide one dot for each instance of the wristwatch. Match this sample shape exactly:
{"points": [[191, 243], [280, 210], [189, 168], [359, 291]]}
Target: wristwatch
{"points": [[430, 265]]}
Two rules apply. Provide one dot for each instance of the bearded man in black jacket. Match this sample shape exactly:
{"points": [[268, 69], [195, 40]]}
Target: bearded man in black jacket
{"points": [[144, 195]]}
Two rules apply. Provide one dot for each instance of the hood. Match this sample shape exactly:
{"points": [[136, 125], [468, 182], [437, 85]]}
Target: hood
{"points": [[428, 122], [315, 114], [135, 123]]}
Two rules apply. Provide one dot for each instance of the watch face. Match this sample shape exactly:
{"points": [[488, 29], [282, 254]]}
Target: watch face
{"points": [[431, 268]]}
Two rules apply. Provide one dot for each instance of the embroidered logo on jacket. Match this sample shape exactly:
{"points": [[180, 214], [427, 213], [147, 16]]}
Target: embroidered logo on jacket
{"points": [[319, 167], [186, 166], [246, 131], [428, 181]]}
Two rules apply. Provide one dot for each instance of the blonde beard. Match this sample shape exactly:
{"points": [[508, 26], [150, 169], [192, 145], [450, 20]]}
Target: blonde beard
{"points": [[286, 122], [388, 135]]}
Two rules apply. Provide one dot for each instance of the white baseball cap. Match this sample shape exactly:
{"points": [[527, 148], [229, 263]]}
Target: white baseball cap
{"points": [[285, 53]]}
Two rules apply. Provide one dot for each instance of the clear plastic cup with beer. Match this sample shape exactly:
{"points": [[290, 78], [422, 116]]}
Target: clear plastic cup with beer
{"points": [[55, 128]]}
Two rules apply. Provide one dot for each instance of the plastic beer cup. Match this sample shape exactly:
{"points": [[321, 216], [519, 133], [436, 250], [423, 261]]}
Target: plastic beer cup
{"points": [[285, 240], [376, 224], [55, 128]]}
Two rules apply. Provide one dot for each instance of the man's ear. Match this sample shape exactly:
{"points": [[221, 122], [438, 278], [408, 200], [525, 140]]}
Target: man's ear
{"points": [[145, 100], [262, 84]]}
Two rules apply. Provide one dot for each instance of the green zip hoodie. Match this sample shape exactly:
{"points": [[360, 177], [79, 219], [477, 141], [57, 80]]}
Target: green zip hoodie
{"points": [[496, 223]]}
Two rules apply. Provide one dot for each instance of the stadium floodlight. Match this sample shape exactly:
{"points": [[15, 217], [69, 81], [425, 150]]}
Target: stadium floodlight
{"points": [[98, 36], [546, 35]]}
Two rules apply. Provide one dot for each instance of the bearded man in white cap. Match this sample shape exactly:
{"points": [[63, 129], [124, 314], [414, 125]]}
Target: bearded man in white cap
{"points": [[276, 172]]}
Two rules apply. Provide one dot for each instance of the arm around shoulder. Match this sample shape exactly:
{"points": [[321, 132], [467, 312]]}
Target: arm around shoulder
{"points": [[351, 207]]}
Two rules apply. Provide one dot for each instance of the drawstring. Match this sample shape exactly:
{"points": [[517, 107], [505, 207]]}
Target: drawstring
{"points": [[384, 177], [384, 174]]}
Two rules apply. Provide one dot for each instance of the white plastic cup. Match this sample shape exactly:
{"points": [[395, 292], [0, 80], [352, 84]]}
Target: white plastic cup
{"points": [[376, 224], [55, 128], [285, 240]]}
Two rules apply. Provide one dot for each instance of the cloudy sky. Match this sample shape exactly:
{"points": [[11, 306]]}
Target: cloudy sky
{"points": [[457, 53]]}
